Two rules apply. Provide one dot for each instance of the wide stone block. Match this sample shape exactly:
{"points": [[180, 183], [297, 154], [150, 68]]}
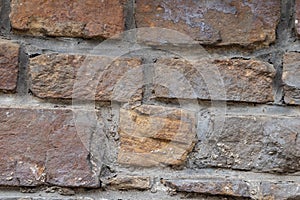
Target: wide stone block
{"points": [[224, 79], [40, 146], [214, 22], [259, 143], [82, 77], [68, 18]]}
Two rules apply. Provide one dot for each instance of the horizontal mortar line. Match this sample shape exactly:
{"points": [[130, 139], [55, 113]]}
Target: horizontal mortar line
{"points": [[199, 174]]}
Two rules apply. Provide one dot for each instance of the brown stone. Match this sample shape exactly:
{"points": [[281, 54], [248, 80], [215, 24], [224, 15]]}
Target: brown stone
{"points": [[291, 77], [124, 182], [259, 143], [238, 80], [86, 77], [9, 55], [213, 186], [68, 18], [214, 22], [40, 146], [155, 135]]}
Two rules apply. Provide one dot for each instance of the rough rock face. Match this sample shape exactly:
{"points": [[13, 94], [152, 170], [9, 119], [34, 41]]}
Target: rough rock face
{"points": [[9, 55], [259, 143], [42, 146], [68, 18], [155, 135], [291, 77], [239, 80], [89, 78], [214, 22], [297, 16]]}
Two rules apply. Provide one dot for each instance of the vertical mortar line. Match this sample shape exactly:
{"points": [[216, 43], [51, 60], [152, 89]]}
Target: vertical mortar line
{"points": [[22, 83], [148, 73], [284, 34], [129, 15], [4, 17]]}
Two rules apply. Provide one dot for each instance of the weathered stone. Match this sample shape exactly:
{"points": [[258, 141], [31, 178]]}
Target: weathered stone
{"points": [[122, 182], [214, 22], [9, 55], [212, 186], [297, 16], [68, 18], [86, 77], [279, 190], [242, 80], [259, 143], [155, 135], [291, 78], [41, 146]]}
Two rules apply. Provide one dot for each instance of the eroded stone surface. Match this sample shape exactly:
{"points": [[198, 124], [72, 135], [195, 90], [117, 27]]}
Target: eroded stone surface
{"points": [[155, 135], [291, 77], [9, 56], [86, 77], [297, 16], [237, 80], [212, 186], [68, 18], [42, 146], [214, 22], [260, 143], [125, 182]]}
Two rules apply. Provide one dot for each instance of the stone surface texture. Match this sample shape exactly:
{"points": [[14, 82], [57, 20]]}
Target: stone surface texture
{"points": [[42, 146], [155, 135], [9, 55], [239, 80], [85, 77], [291, 77], [68, 18], [214, 22]]}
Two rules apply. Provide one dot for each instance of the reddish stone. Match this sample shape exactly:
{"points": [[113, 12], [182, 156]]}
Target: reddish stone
{"points": [[9, 55], [41, 146], [68, 18], [214, 22]]}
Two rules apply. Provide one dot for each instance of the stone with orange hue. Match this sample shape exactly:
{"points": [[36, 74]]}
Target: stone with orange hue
{"points": [[214, 22], [154, 135], [68, 18], [126, 182], [100, 78], [9, 56]]}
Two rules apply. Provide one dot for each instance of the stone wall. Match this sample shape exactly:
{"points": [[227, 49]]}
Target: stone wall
{"points": [[162, 99]]}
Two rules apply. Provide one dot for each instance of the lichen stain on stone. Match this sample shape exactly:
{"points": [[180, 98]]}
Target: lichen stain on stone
{"points": [[191, 11]]}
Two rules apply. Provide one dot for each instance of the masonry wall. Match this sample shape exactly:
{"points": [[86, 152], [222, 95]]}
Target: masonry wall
{"points": [[124, 99]]}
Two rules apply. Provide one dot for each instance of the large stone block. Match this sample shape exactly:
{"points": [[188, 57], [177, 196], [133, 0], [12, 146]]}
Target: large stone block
{"points": [[225, 79], [154, 135], [86, 77], [68, 18], [259, 143], [40, 146], [214, 22]]}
